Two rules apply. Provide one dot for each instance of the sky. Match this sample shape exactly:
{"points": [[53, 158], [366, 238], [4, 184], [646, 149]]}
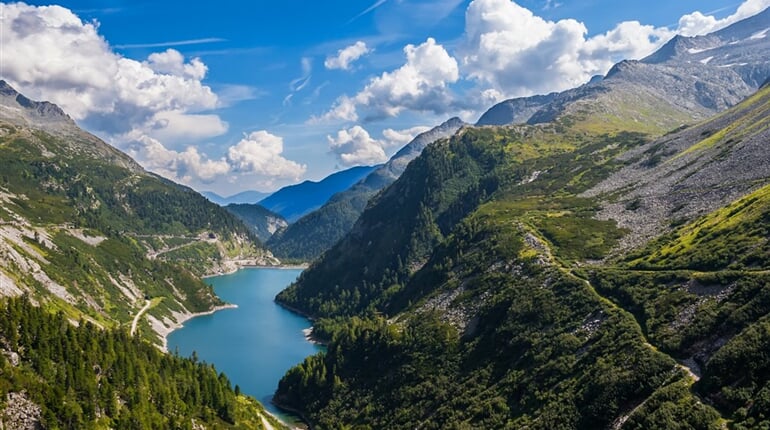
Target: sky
{"points": [[230, 96]]}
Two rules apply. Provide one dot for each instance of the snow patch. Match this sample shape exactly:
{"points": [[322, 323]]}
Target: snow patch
{"points": [[706, 60], [760, 34]]}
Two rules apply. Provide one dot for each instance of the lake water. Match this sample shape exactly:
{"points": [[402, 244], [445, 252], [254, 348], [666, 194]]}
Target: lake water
{"points": [[255, 343]]}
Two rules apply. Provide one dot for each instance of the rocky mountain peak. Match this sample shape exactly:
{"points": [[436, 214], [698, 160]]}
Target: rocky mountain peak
{"points": [[689, 77], [21, 110], [7, 90]]}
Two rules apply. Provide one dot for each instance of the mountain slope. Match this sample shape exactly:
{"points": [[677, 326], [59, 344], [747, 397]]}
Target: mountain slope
{"points": [[691, 172], [317, 231], [261, 221], [84, 229], [515, 111], [485, 276], [487, 320], [294, 201]]}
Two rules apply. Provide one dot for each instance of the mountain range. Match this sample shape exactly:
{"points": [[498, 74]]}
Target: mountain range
{"points": [[244, 197], [87, 230], [294, 201], [595, 258], [689, 77], [314, 233], [600, 264]]}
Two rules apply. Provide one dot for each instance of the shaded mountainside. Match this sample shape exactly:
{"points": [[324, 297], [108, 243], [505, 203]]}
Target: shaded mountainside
{"points": [[262, 222], [294, 201], [84, 229], [317, 231], [479, 290], [515, 111], [688, 77]]}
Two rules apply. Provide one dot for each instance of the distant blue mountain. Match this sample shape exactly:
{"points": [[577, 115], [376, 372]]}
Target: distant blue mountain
{"points": [[294, 201], [244, 197]]}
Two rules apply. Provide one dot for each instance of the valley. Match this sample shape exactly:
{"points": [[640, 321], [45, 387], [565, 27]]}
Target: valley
{"points": [[591, 258]]}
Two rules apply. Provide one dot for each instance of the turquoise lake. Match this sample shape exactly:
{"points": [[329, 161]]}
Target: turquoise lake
{"points": [[255, 343]]}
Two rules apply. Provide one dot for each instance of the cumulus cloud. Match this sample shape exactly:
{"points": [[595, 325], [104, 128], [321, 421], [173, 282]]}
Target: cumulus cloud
{"points": [[50, 53], [186, 166], [421, 84], [511, 51], [347, 56], [172, 62], [402, 137], [354, 146], [696, 23], [141, 106], [260, 153], [257, 154], [177, 126]]}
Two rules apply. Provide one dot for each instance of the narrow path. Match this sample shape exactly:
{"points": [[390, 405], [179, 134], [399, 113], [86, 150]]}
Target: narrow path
{"points": [[139, 315], [265, 423], [685, 366], [154, 254]]}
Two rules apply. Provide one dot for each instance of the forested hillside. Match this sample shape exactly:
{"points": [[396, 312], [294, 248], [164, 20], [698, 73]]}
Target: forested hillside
{"points": [[507, 294], [58, 375], [85, 230]]}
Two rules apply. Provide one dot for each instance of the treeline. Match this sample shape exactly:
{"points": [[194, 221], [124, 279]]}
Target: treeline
{"points": [[84, 377]]}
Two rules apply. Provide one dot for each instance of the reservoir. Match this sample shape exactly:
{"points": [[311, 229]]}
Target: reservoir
{"points": [[255, 343]]}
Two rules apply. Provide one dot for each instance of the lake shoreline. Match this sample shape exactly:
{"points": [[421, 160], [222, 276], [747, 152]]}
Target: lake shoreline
{"points": [[187, 317], [240, 266], [228, 340]]}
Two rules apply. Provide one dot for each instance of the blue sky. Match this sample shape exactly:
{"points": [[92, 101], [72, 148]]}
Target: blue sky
{"points": [[238, 95]]}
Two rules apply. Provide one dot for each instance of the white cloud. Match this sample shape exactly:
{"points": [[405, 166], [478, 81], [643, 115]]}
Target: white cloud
{"points": [[172, 62], [186, 166], [260, 153], [344, 109], [696, 23], [49, 53], [298, 84], [301, 82], [402, 137], [141, 106], [346, 56], [354, 146], [257, 156], [177, 126], [510, 50], [421, 84]]}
